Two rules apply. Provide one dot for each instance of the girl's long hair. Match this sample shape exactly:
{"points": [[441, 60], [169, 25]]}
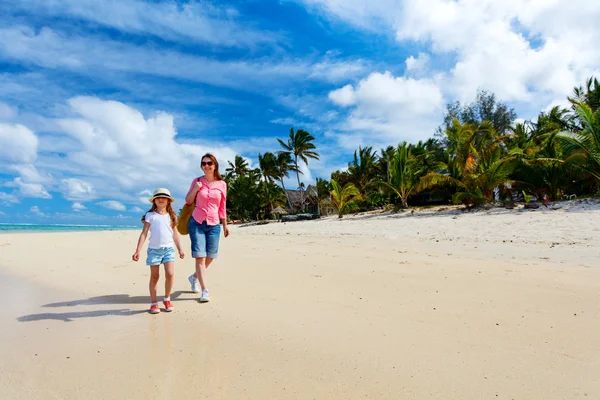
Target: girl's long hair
{"points": [[169, 210], [217, 175]]}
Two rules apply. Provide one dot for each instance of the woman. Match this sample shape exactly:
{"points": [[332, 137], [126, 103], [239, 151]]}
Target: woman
{"points": [[210, 194]]}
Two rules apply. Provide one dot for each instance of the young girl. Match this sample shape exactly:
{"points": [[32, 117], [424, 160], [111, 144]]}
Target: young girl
{"points": [[160, 221]]}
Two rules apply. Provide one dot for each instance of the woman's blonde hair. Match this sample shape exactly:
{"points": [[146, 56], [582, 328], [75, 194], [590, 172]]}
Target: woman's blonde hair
{"points": [[169, 210]]}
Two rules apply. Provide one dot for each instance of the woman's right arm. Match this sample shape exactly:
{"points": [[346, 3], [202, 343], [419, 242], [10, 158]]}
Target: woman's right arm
{"points": [[191, 194]]}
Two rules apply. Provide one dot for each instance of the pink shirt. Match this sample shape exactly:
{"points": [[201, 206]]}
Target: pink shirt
{"points": [[211, 201]]}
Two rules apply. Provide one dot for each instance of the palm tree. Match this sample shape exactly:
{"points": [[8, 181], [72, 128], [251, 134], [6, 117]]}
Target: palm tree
{"points": [[267, 164], [271, 196], [405, 173], [269, 172], [583, 147], [238, 167], [344, 199], [300, 144], [362, 169], [284, 165], [385, 160], [476, 165], [590, 95], [243, 196], [323, 189]]}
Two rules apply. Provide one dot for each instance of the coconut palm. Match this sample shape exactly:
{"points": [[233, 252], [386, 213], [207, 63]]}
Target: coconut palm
{"points": [[300, 144], [284, 164], [583, 147], [362, 169], [271, 196], [267, 164], [323, 189], [406, 170], [589, 95], [476, 165], [238, 167], [344, 199], [269, 172]]}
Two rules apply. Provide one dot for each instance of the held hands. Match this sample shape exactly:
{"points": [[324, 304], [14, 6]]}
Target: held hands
{"points": [[136, 256], [181, 254], [226, 231]]}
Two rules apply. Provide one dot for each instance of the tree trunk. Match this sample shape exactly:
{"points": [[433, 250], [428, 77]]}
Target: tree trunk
{"points": [[404, 202], [267, 210], [287, 198], [299, 187]]}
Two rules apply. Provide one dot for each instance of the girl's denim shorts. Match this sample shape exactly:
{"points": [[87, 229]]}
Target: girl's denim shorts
{"points": [[160, 256], [204, 238]]}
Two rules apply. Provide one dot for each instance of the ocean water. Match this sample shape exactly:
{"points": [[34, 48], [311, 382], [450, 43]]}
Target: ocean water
{"points": [[6, 228]]}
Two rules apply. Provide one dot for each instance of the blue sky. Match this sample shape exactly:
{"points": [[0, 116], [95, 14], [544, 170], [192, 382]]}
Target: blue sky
{"points": [[102, 102]]}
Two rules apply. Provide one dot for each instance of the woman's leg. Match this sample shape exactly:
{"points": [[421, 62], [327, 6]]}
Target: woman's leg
{"points": [[154, 276], [169, 274], [206, 264], [201, 271], [198, 241], [212, 247]]}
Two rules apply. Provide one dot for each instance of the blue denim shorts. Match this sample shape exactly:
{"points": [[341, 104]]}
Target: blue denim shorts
{"points": [[160, 256], [204, 238]]}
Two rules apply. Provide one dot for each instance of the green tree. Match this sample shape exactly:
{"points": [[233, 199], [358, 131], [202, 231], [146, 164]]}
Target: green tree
{"points": [[267, 164], [406, 170], [476, 166], [238, 167], [284, 165], [588, 95], [300, 144], [362, 169], [344, 199], [583, 147]]}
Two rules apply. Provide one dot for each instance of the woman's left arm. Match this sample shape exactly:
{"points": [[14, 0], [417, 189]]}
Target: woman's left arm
{"points": [[223, 210]]}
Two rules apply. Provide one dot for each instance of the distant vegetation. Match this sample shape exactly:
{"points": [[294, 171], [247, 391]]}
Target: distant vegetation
{"points": [[478, 155]]}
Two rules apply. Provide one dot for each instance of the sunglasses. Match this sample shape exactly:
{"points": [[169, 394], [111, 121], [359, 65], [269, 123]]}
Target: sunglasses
{"points": [[203, 163]]}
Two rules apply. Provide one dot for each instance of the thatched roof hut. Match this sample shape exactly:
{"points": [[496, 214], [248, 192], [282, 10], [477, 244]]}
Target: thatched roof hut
{"points": [[278, 211]]}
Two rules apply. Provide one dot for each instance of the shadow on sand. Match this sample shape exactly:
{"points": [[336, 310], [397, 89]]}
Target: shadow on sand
{"points": [[107, 299], [70, 316]]}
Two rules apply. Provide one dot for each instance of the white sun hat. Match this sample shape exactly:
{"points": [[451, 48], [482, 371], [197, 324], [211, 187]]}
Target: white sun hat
{"points": [[161, 192]]}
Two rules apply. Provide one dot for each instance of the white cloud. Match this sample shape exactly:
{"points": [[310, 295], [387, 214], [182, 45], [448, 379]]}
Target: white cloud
{"points": [[144, 195], [197, 21], [418, 64], [113, 205], [2, 214], [78, 206], [29, 173], [387, 109], [365, 14], [337, 71], [36, 210], [35, 190], [8, 199], [77, 189], [136, 209], [343, 96], [18, 145], [125, 152], [49, 49], [527, 51]]}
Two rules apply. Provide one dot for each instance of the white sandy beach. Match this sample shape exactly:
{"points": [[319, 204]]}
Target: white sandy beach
{"points": [[503, 304]]}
